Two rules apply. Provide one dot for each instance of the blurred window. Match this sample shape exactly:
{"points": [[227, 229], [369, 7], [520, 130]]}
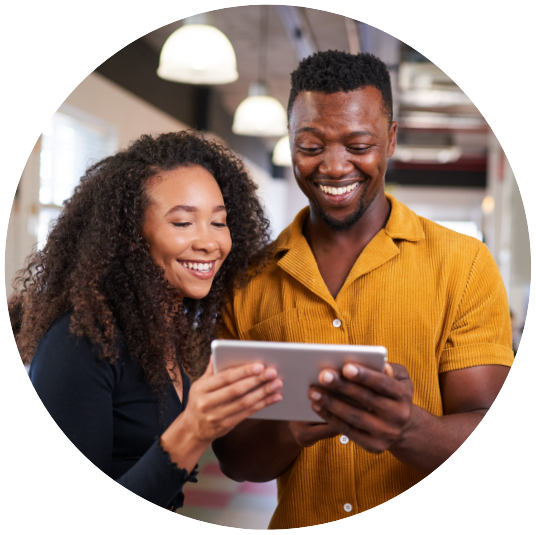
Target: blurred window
{"points": [[71, 142], [469, 228]]}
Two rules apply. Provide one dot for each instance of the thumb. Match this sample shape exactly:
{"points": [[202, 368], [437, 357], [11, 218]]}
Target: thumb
{"points": [[210, 368], [389, 370]]}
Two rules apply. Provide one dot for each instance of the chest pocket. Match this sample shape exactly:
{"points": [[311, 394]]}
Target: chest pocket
{"points": [[303, 325]]}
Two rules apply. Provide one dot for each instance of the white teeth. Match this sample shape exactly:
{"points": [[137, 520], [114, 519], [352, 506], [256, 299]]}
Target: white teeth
{"points": [[198, 267], [338, 191]]}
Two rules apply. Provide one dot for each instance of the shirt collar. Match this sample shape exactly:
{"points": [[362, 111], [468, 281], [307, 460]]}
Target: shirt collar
{"points": [[403, 224]]}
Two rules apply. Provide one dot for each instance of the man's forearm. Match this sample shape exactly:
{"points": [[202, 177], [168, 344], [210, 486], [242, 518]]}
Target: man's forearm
{"points": [[256, 450], [430, 440]]}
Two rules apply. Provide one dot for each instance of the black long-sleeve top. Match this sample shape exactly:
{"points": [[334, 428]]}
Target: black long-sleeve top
{"points": [[110, 412]]}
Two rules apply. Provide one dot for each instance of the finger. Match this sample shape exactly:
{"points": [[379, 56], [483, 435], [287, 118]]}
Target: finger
{"points": [[237, 390], [237, 412], [379, 382], [209, 371], [236, 373], [389, 370], [357, 396], [354, 417], [362, 438], [306, 434]]}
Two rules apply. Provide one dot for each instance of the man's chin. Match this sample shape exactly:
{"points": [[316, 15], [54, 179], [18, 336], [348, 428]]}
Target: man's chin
{"points": [[341, 224]]}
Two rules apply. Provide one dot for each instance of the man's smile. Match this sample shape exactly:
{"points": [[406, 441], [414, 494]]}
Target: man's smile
{"points": [[339, 194]]}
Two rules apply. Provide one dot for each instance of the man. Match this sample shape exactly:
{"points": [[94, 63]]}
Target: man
{"points": [[358, 267]]}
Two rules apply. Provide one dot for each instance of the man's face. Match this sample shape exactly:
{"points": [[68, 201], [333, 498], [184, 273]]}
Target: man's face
{"points": [[340, 144]]}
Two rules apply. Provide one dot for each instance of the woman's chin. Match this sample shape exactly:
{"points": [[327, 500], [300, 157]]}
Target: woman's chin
{"points": [[195, 291]]}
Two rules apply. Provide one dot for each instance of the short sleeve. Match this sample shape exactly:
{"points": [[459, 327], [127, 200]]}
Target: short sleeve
{"points": [[481, 333]]}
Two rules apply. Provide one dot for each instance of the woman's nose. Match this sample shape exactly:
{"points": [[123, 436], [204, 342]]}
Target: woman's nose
{"points": [[205, 240]]}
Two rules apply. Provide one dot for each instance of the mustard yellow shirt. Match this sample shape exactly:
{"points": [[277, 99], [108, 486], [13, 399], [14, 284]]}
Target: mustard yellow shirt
{"points": [[434, 298]]}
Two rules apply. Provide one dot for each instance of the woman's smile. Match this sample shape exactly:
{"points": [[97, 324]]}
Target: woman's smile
{"points": [[203, 270]]}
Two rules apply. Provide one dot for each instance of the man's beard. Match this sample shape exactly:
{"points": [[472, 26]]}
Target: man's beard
{"points": [[350, 220]]}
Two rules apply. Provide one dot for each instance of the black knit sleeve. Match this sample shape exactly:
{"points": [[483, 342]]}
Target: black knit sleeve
{"points": [[77, 389]]}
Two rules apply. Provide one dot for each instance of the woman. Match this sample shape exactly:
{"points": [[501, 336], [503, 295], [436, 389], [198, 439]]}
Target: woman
{"points": [[142, 256]]}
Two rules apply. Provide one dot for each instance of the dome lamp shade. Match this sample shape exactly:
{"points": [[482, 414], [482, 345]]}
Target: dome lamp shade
{"points": [[282, 155], [198, 54], [260, 115]]}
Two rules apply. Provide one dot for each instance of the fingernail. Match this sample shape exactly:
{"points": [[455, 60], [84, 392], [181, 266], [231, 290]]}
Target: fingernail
{"points": [[270, 373], [350, 370], [327, 377], [315, 395], [276, 385], [257, 368], [277, 397], [316, 407]]}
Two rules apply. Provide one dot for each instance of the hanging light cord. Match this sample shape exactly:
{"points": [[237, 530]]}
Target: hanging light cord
{"points": [[263, 43]]}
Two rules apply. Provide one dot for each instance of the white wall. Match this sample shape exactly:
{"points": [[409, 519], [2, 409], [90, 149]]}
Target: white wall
{"points": [[104, 101], [508, 232], [132, 116], [442, 203]]}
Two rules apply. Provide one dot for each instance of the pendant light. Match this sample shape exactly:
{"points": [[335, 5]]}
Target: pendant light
{"points": [[259, 114], [198, 53], [282, 155]]}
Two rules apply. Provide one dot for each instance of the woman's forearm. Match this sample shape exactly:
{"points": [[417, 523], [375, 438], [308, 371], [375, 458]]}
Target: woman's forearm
{"points": [[182, 445]]}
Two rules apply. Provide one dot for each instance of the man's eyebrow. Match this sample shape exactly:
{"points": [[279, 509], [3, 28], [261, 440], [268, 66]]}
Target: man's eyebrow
{"points": [[360, 133], [186, 208], [355, 133], [308, 129]]}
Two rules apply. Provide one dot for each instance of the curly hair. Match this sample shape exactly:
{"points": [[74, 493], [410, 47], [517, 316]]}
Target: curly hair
{"points": [[333, 71], [96, 264]]}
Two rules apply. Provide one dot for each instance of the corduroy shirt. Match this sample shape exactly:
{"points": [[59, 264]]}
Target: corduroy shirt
{"points": [[434, 298]]}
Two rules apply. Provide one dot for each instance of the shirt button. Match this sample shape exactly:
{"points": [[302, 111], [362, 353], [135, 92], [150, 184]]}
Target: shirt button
{"points": [[337, 323], [344, 440], [347, 507]]}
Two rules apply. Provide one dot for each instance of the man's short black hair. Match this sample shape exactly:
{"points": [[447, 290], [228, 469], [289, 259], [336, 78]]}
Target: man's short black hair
{"points": [[333, 71]]}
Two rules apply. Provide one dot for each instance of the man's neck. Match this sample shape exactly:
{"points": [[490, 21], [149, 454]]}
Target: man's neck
{"points": [[336, 251]]}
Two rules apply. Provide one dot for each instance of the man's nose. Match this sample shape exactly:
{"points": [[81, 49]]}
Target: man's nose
{"points": [[335, 163]]}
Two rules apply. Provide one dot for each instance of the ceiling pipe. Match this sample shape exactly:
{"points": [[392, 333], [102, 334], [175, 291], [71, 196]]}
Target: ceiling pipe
{"points": [[298, 30]]}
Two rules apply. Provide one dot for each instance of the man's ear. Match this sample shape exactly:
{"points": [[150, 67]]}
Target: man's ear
{"points": [[393, 129]]}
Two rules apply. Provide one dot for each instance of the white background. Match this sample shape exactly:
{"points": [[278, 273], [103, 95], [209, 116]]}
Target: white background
{"points": [[48, 48]]}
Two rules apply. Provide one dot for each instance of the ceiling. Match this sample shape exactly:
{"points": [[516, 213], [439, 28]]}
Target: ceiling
{"points": [[242, 26], [433, 113]]}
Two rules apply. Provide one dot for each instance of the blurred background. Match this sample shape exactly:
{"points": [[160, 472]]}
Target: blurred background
{"points": [[227, 72]]}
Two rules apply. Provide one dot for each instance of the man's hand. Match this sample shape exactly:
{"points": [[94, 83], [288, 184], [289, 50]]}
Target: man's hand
{"points": [[306, 433], [371, 408]]}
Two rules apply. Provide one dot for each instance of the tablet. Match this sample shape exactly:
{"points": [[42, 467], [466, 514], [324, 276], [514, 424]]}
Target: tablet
{"points": [[298, 366]]}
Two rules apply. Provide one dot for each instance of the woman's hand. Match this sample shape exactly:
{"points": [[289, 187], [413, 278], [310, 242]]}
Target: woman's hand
{"points": [[217, 402]]}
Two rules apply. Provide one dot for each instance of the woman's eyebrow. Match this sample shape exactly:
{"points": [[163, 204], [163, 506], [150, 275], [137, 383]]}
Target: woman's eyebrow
{"points": [[186, 208]]}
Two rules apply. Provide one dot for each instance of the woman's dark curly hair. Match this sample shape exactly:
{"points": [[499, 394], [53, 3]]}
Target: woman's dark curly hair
{"points": [[96, 264]]}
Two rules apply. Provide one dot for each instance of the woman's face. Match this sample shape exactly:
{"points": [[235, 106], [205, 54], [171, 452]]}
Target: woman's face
{"points": [[185, 225]]}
